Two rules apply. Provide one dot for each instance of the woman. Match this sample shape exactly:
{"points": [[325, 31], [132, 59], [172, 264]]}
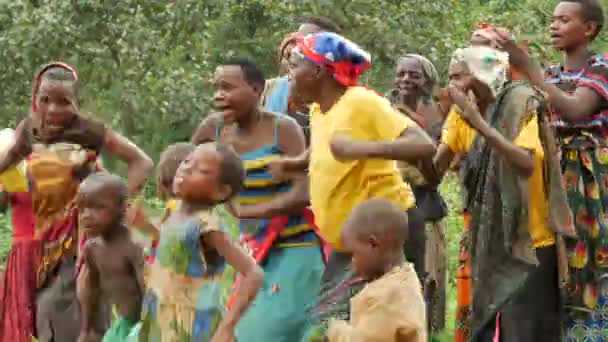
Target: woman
{"points": [[577, 93], [512, 244], [345, 171], [275, 223], [278, 95], [415, 81], [62, 147]]}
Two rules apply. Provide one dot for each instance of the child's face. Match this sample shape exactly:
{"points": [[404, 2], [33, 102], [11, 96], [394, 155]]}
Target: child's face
{"points": [[98, 209], [56, 103], [366, 253], [568, 27], [197, 177], [234, 96]]}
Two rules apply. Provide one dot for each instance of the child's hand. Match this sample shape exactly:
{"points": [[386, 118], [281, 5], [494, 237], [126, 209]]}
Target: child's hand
{"points": [[223, 334]]}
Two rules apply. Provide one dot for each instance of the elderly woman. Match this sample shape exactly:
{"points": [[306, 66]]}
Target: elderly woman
{"points": [[415, 82], [505, 175]]}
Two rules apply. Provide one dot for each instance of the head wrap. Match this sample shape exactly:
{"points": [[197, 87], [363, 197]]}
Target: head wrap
{"points": [[486, 64], [38, 79], [343, 58], [430, 73]]}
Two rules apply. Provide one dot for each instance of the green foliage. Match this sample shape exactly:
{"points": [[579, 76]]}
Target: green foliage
{"points": [[146, 66]]}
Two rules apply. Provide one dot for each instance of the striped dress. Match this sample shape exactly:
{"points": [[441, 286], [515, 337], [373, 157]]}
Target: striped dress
{"points": [[292, 264]]}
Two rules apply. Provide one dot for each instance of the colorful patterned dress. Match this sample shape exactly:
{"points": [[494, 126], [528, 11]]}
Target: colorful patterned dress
{"points": [[183, 301], [287, 249], [584, 160]]}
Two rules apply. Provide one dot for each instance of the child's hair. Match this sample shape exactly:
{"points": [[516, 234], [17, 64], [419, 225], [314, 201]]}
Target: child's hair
{"points": [[324, 23], [380, 217], [592, 11], [232, 171], [251, 71], [110, 183], [169, 161]]}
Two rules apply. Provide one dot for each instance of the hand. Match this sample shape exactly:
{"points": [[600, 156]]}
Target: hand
{"points": [[223, 334], [519, 58], [467, 110], [278, 169]]}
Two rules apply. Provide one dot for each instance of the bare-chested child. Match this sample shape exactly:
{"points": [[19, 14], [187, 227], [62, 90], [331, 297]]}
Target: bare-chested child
{"points": [[113, 263], [391, 307]]}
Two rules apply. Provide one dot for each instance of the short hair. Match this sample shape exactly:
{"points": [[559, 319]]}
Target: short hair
{"points": [[592, 11], [103, 181], [251, 71], [168, 163], [381, 217], [325, 23], [232, 170]]}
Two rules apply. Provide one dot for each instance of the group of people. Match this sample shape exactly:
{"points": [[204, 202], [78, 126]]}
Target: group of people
{"points": [[306, 207]]}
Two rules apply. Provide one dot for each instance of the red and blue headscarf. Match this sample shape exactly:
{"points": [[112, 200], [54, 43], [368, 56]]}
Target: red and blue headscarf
{"points": [[343, 58]]}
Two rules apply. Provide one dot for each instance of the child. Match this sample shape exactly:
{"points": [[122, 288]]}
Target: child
{"points": [[184, 300], [113, 263], [391, 306]]}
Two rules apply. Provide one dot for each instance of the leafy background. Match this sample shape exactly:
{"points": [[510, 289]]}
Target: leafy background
{"points": [[146, 65]]}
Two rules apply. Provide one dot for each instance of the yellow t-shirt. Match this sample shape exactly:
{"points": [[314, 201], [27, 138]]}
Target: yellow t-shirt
{"points": [[459, 136], [337, 187]]}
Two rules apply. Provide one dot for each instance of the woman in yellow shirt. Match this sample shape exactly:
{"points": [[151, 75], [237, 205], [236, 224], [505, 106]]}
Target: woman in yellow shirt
{"points": [[356, 136], [513, 256]]}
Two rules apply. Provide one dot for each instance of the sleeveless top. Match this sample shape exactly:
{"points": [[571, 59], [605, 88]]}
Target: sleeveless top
{"points": [[259, 187]]}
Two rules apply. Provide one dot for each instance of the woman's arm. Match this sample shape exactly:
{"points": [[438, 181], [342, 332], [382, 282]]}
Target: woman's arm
{"points": [[412, 146], [138, 163], [20, 149], [252, 274], [291, 142]]}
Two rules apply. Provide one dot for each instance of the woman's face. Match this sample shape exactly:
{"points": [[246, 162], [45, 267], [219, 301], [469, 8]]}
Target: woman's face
{"points": [[568, 27], [234, 95], [460, 77], [284, 62], [304, 76], [56, 106], [409, 78]]}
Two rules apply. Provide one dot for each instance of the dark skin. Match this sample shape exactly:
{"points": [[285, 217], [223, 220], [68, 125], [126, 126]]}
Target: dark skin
{"points": [[314, 84], [373, 255], [197, 185], [113, 262], [571, 33], [238, 101], [57, 103], [461, 81]]}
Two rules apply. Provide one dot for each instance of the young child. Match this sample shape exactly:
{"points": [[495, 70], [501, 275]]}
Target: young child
{"points": [[391, 306], [184, 299], [113, 263]]}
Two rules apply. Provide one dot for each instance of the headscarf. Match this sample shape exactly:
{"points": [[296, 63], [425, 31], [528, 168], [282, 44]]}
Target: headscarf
{"points": [[486, 64], [343, 58], [38, 80]]}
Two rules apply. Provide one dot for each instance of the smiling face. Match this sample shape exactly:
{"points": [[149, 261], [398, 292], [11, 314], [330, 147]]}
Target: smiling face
{"points": [[569, 28], [409, 78], [460, 77], [234, 96], [305, 77], [56, 106], [198, 177]]}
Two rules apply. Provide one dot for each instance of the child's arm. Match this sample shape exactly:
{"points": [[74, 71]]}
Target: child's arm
{"points": [[89, 292], [136, 259], [139, 165], [251, 281]]}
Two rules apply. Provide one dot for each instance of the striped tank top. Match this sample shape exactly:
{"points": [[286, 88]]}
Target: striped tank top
{"points": [[259, 187]]}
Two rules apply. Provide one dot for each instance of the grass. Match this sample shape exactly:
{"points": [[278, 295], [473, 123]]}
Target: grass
{"points": [[454, 226]]}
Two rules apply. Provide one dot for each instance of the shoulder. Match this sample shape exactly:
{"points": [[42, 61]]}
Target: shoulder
{"points": [[598, 68], [365, 96]]}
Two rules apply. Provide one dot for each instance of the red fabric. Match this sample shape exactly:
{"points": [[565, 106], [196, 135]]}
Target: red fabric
{"points": [[18, 286]]}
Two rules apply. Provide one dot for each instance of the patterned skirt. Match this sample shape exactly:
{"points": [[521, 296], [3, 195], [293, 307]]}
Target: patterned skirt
{"points": [[18, 292], [585, 169]]}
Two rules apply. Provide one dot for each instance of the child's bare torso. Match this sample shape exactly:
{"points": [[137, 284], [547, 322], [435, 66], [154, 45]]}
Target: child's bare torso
{"points": [[116, 263]]}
